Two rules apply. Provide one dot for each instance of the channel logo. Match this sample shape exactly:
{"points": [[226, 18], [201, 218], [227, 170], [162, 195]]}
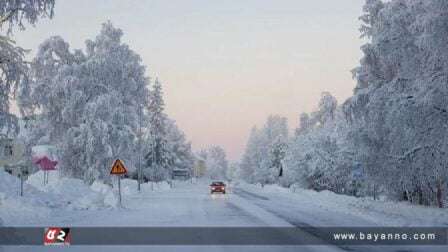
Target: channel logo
{"points": [[57, 236]]}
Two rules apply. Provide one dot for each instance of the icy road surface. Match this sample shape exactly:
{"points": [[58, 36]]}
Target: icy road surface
{"points": [[192, 205]]}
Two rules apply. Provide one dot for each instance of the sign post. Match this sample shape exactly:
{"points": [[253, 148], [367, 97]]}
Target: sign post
{"points": [[119, 188], [45, 164], [21, 184], [118, 169]]}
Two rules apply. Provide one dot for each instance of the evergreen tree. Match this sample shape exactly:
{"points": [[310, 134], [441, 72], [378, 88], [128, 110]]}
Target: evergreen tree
{"points": [[158, 159], [277, 154], [181, 156]]}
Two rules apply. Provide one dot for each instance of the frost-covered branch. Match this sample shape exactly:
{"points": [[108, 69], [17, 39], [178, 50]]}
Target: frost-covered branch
{"points": [[14, 12]]}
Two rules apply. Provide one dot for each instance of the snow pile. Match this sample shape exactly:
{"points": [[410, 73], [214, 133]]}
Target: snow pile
{"points": [[13, 207], [60, 193], [100, 187], [73, 193], [129, 187], [110, 195], [357, 210], [402, 212], [160, 186], [274, 188], [8, 182]]}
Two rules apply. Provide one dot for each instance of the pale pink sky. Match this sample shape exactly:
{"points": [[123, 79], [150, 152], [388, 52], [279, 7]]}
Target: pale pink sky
{"points": [[226, 65]]}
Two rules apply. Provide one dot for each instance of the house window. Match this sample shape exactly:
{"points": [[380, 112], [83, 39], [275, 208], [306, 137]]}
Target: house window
{"points": [[8, 151]]}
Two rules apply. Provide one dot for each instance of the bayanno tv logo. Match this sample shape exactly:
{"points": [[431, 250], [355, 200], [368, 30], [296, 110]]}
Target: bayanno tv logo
{"points": [[57, 236]]}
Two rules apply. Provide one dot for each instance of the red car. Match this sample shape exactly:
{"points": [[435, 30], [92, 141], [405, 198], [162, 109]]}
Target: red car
{"points": [[218, 187]]}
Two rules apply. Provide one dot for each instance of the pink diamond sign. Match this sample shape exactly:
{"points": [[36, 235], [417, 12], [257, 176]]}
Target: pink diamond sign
{"points": [[45, 163]]}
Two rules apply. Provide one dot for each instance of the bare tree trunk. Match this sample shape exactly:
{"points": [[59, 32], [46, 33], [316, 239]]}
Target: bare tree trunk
{"points": [[408, 196], [420, 196], [374, 191], [439, 200]]}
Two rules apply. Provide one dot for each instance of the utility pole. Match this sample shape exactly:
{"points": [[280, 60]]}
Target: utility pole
{"points": [[374, 191], [152, 164], [139, 170], [171, 174], [22, 171]]}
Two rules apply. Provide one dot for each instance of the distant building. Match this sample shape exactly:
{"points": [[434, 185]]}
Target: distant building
{"points": [[199, 166], [12, 150], [181, 174]]}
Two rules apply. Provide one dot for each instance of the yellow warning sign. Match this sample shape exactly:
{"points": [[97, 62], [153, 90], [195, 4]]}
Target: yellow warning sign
{"points": [[118, 168]]}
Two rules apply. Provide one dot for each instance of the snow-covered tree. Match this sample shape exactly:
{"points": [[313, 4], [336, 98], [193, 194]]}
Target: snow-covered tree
{"points": [[277, 154], [251, 157], [399, 107], [158, 159], [88, 102], [15, 12], [180, 153], [326, 109], [13, 71], [320, 155], [216, 163], [234, 170], [202, 153], [304, 123], [257, 163], [13, 68]]}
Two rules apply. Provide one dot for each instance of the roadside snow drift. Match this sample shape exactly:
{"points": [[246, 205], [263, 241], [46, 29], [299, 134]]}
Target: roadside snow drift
{"points": [[60, 194], [321, 208]]}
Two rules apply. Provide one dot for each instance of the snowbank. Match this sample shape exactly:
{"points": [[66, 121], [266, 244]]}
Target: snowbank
{"points": [[273, 188], [365, 210], [13, 207], [129, 187], [67, 192], [60, 193]]}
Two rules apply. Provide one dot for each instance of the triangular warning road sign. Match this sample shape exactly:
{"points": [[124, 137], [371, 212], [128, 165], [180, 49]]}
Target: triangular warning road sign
{"points": [[118, 168]]}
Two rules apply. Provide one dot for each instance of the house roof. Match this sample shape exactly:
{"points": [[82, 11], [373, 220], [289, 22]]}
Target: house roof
{"points": [[39, 151], [197, 157]]}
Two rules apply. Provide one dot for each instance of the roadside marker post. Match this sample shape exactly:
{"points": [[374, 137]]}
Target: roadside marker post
{"points": [[21, 183], [118, 169]]}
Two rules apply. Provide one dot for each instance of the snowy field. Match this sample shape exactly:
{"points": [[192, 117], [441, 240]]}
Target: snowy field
{"points": [[71, 203]]}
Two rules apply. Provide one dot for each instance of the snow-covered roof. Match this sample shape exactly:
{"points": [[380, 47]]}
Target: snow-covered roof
{"points": [[196, 156], [44, 150]]}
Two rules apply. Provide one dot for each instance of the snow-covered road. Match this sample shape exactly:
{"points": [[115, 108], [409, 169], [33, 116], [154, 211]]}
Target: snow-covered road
{"points": [[186, 205], [192, 205]]}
